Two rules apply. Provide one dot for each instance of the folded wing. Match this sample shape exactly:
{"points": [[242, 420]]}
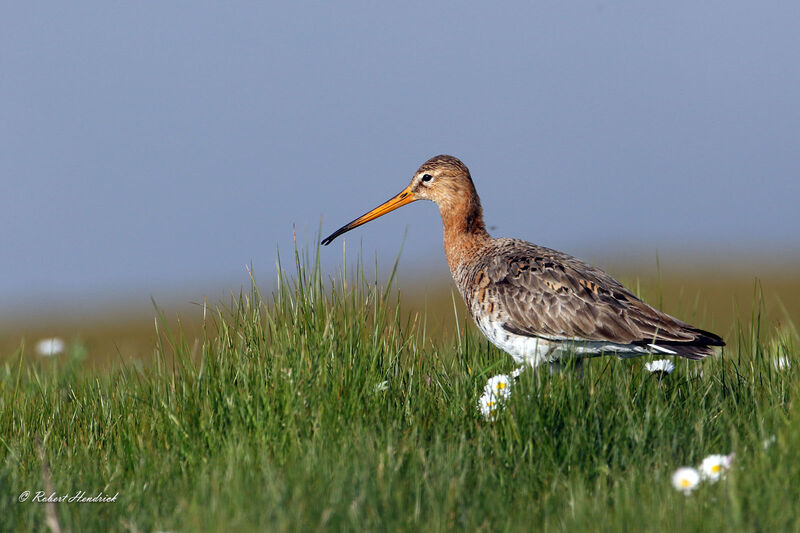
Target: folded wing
{"points": [[548, 294]]}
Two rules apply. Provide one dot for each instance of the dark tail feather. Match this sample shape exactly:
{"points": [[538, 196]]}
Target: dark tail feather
{"points": [[699, 347], [689, 351]]}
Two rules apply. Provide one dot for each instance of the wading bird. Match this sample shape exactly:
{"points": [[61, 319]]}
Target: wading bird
{"points": [[537, 304]]}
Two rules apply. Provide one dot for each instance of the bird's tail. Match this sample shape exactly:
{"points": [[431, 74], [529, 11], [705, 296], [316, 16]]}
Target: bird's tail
{"points": [[702, 345]]}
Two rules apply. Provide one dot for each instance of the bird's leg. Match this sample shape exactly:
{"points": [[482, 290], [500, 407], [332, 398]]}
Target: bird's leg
{"points": [[559, 366], [578, 368]]}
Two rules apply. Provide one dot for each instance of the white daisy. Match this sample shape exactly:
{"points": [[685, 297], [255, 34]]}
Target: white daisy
{"points": [[496, 390], [781, 363], [498, 386], [661, 367], [488, 406], [50, 347], [686, 479], [713, 467]]}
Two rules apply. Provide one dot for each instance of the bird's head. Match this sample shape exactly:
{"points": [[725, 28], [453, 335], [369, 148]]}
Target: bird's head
{"points": [[443, 179]]}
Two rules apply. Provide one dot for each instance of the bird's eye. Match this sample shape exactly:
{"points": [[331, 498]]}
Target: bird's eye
{"points": [[427, 177]]}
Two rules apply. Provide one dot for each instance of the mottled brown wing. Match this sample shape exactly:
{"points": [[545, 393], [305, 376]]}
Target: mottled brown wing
{"points": [[545, 293]]}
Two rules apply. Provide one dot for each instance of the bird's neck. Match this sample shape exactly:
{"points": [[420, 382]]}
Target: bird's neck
{"points": [[464, 231]]}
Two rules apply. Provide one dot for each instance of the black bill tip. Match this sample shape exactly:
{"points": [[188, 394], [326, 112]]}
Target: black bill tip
{"points": [[329, 239]]}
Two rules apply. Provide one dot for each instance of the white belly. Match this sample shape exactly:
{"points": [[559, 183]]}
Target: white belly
{"points": [[534, 351], [525, 350]]}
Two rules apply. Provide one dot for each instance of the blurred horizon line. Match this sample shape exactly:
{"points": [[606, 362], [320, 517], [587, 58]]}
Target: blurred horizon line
{"points": [[135, 299]]}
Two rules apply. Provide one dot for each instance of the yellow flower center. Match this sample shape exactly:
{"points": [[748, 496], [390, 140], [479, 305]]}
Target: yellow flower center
{"points": [[716, 469], [501, 386], [685, 483]]}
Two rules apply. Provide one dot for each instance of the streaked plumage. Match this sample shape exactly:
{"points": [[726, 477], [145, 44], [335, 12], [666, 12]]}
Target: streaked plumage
{"points": [[535, 303]]}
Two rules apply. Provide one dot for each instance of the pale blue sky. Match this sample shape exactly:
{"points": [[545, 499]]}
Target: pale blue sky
{"points": [[153, 147]]}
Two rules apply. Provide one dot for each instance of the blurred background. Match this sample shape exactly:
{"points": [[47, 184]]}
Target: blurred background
{"points": [[154, 150]]}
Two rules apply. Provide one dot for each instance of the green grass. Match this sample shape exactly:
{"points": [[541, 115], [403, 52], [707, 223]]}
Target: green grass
{"points": [[324, 406]]}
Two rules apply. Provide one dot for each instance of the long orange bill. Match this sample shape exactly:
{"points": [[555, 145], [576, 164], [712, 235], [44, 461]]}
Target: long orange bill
{"points": [[405, 197]]}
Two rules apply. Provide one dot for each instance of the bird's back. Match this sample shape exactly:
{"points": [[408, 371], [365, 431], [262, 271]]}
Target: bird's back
{"points": [[522, 295]]}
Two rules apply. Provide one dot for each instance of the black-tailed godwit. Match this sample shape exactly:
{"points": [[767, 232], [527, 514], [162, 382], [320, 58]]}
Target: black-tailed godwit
{"points": [[537, 304]]}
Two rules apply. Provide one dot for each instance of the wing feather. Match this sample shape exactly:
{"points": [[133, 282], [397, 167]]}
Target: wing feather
{"points": [[544, 293]]}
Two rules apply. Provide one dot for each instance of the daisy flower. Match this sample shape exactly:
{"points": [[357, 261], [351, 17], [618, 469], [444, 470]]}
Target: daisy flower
{"points": [[50, 347], [498, 386], [713, 467], [686, 479], [488, 406], [781, 363], [496, 390], [661, 368]]}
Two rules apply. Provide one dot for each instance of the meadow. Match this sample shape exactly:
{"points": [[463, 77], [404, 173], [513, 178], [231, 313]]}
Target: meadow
{"points": [[329, 404]]}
